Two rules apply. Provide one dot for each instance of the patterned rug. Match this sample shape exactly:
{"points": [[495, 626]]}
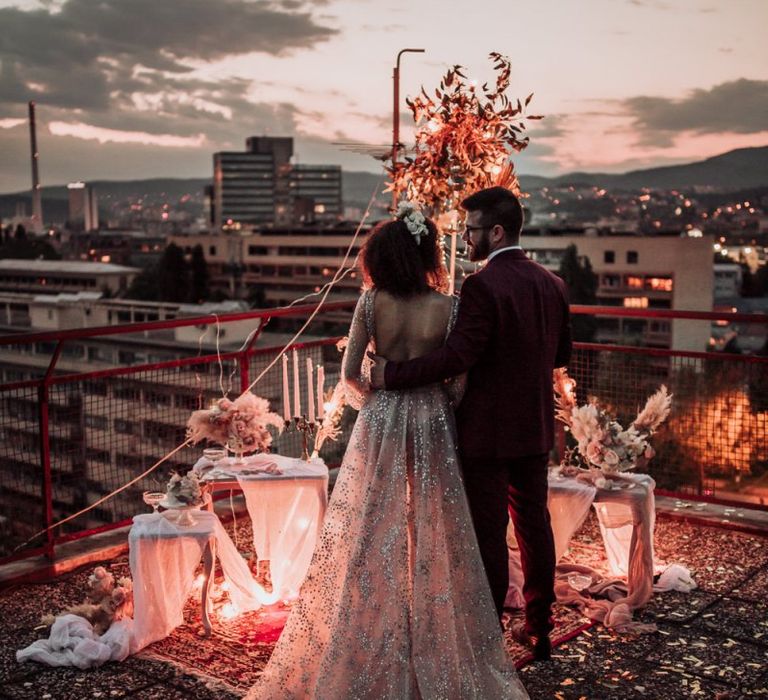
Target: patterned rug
{"points": [[238, 650]]}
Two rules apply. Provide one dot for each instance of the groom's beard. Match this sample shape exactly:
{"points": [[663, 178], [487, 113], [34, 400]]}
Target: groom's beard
{"points": [[480, 250]]}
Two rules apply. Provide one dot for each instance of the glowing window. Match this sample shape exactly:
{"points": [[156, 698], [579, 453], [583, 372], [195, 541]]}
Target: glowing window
{"points": [[634, 282], [636, 302], [659, 284]]}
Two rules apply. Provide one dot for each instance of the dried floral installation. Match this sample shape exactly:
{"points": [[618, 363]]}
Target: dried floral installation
{"points": [[602, 443], [106, 601], [184, 490], [330, 428], [464, 139], [241, 425]]}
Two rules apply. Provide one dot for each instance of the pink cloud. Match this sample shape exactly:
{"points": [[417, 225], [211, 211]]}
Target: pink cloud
{"points": [[102, 135], [610, 143]]}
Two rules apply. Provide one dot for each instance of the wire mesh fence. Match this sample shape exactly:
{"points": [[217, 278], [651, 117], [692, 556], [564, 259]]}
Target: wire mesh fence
{"points": [[104, 431], [715, 442], [69, 438]]}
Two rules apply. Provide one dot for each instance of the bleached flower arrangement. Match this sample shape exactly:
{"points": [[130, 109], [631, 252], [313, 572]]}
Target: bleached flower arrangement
{"points": [[330, 427], [241, 425], [602, 442], [413, 218], [184, 489]]}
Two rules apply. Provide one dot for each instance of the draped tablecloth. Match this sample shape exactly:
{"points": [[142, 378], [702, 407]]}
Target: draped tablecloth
{"points": [[627, 515], [163, 558], [286, 500]]}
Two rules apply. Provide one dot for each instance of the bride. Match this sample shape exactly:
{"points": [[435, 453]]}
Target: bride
{"points": [[396, 603]]}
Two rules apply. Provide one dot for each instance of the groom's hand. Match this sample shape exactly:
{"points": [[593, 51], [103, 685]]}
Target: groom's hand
{"points": [[377, 371]]}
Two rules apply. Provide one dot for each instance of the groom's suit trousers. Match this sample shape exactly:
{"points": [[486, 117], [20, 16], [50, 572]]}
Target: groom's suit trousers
{"points": [[516, 488]]}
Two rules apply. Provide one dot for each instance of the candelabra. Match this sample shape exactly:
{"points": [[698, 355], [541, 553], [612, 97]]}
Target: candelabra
{"points": [[307, 429]]}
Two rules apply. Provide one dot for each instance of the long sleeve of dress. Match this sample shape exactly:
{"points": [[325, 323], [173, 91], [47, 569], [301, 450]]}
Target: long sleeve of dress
{"points": [[455, 386], [356, 380]]}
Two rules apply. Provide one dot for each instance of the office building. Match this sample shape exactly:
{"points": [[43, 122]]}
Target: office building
{"points": [[260, 186], [279, 264], [83, 207]]}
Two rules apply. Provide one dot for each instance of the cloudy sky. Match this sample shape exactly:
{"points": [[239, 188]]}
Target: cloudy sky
{"points": [[149, 88]]}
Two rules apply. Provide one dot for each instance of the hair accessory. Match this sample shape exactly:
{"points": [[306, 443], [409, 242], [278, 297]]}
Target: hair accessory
{"points": [[413, 219]]}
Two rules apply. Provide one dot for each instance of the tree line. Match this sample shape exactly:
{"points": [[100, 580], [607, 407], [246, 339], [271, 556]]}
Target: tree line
{"points": [[173, 279]]}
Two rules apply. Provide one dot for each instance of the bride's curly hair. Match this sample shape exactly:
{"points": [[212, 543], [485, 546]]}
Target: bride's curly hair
{"points": [[394, 261]]}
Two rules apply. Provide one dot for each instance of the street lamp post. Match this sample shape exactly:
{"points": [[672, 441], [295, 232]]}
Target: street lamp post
{"points": [[396, 115]]}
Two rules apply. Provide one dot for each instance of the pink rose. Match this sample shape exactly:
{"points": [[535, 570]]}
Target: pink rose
{"points": [[594, 452]]}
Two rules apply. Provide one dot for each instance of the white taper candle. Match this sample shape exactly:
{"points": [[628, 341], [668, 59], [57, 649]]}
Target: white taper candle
{"points": [[296, 394], [320, 392], [310, 391], [286, 390]]}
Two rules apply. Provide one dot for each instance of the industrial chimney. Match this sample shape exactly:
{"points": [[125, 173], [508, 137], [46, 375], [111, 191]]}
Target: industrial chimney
{"points": [[37, 201]]}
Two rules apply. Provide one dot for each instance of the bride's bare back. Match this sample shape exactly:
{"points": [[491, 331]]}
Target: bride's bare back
{"points": [[412, 327]]}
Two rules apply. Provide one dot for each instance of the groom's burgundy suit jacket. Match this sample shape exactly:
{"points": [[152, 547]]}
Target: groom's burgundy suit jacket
{"points": [[512, 330]]}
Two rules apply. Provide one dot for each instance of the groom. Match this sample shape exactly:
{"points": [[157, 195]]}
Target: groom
{"points": [[512, 330]]}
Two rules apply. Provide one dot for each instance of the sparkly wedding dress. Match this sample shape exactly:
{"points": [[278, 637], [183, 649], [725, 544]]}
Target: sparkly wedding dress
{"points": [[395, 604]]}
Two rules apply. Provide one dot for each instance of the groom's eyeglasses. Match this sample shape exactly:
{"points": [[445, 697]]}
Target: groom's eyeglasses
{"points": [[469, 229]]}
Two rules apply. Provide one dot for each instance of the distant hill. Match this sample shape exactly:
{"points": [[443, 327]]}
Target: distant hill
{"points": [[357, 188], [735, 170]]}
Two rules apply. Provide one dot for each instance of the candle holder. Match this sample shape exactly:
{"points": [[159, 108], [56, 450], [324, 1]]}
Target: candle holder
{"points": [[307, 429]]}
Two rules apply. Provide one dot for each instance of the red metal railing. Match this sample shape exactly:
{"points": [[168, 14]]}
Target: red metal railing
{"points": [[72, 436], [72, 433]]}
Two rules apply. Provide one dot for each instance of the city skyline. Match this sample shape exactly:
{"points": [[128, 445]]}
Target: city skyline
{"points": [[142, 89]]}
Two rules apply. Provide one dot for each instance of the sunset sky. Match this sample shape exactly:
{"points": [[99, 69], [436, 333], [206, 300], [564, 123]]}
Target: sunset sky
{"points": [[150, 88]]}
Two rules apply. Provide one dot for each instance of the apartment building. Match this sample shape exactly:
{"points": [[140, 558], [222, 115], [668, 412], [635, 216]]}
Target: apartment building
{"points": [[642, 272], [109, 426], [283, 262], [54, 276]]}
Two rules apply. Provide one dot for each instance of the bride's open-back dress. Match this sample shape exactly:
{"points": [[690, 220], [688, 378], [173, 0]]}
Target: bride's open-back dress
{"points": [[395, 604]]}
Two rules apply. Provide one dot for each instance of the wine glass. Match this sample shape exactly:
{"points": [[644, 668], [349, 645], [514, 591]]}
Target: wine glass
{"points": [[214, 454], [153, 498]]}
